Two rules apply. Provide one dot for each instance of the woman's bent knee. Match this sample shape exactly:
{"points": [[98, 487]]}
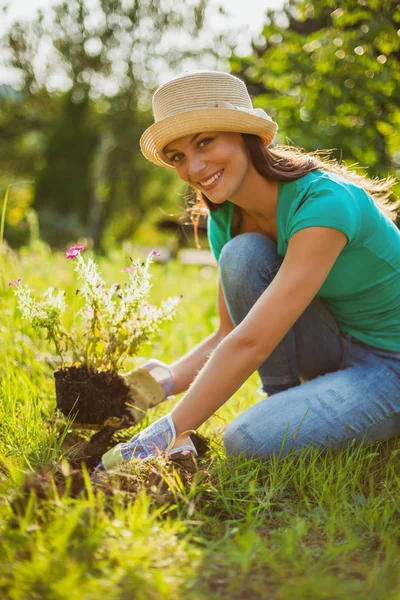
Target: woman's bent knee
{"points": [[249, 249], [239, 440], [233, 440], [247, 265], [248, 434]]}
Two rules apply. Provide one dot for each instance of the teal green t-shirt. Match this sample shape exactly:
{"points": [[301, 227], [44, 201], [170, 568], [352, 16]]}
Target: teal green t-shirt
{"points": [[362, 289]]}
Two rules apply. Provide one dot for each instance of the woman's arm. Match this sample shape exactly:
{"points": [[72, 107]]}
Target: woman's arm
{"points": [[311, 254], [186, 368]]}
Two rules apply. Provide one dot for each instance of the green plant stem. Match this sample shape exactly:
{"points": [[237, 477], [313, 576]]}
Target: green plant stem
{"points": [[53, 336]]}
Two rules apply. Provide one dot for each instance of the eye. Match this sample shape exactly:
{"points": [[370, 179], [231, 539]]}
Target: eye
{"points": [[205, 141], [174, 156]]}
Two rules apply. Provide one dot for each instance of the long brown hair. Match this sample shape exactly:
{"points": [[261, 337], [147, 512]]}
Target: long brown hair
{"points": [[288, 163]]}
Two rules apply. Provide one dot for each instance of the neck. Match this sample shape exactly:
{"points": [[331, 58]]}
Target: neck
{"points": [[257, 196]]}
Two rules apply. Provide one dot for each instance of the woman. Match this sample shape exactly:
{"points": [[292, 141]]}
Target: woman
{"points": [[309, 289]]}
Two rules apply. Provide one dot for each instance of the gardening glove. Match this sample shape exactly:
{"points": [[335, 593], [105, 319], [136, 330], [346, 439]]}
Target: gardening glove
{"points": [[152, 441], [148, 385]]}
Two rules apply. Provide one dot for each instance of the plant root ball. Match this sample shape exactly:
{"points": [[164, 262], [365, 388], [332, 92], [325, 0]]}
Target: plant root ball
{"points": [[91, 397]]}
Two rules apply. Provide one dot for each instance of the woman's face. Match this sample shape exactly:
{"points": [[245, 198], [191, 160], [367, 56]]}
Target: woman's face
{"points": [[216, 163]]}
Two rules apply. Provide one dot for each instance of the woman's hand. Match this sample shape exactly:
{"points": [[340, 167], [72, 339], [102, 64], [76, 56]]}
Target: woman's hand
{"points": [[152, 441]]}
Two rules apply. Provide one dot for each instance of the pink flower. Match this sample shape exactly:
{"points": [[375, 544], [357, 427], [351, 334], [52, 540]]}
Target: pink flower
{"points": [[155, 252], [16, 282], [128, 269], [74, 251], [90, 311]]}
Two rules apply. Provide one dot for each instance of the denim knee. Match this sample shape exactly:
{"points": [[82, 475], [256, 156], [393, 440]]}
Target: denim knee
{"points": [[234, 440], [241, 437], [246, 256], [237, 440]]}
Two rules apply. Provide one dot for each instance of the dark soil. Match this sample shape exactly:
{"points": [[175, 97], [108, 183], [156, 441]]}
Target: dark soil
{"points": [[92, 397], [89, 453]]}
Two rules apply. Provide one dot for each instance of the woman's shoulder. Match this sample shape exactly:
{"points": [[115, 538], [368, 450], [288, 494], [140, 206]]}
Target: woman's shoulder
{"points": [[323, 178], [329, 180], [327, 188]]}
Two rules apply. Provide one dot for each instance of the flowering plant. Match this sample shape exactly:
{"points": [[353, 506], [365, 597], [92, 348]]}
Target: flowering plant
{"points": [[115, 319]]}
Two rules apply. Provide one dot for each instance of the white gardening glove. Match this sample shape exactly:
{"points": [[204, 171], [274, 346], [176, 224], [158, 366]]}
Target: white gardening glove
{"points": [[156, 439], [152, 441]]}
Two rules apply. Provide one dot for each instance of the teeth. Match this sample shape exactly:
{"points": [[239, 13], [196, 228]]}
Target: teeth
{"points": [[213, 178]]}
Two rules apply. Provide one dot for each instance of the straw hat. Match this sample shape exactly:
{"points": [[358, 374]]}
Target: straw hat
{"points": [[202, 101]]}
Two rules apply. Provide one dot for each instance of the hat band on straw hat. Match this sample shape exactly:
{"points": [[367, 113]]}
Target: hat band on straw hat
{"points": [[181, 107]]}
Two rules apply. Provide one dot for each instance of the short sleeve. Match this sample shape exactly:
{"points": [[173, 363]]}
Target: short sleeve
{"points": [[328, 204]]}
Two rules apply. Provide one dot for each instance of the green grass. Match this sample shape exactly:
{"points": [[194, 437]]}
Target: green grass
{"points": [[314, 526]]}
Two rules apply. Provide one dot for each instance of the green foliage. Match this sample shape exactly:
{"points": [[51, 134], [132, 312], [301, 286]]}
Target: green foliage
{"points": [[63, 184], [24, 125], [81, 113], [329, 72]]}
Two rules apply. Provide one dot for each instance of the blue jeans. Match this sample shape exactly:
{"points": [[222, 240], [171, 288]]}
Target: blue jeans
{"points": [[325, 387]]}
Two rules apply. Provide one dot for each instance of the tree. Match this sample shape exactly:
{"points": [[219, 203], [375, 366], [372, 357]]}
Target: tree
{"points": [[63, 185], [329, 72], [108, 62]]}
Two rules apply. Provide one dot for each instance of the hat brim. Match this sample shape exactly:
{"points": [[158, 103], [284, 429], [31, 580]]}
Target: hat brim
{"points": [[158, 135]]}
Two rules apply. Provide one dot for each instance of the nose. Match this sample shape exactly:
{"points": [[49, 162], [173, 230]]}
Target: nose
{"points": [[196, 165]]}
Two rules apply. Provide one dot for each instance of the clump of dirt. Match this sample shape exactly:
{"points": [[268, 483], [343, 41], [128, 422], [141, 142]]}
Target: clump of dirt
{"points": [[79, 451], [92, 397], [47, 485]]}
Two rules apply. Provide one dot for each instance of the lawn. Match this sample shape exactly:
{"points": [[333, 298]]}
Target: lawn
{"points": [[316, 526]]}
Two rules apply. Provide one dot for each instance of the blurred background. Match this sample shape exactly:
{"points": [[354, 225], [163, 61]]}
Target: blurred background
{"points": [[76, 80]]}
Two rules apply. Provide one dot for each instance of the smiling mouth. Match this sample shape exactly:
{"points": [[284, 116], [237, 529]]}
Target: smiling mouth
{"points": [[212, 181]]}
